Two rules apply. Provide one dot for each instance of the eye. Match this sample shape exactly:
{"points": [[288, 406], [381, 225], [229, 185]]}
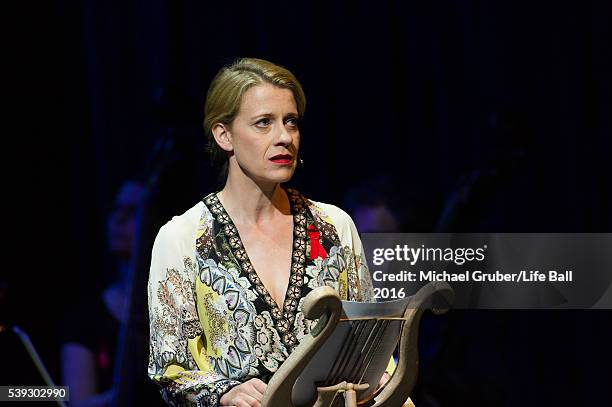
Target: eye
{"points": [[263, 122], [292, 122]]}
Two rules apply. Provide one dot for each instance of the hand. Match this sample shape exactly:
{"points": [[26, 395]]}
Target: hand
{"points": [[247, 394]]}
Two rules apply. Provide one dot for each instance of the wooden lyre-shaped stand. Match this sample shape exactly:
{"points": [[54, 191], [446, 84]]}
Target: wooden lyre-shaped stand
{"points": [[323, 303]]}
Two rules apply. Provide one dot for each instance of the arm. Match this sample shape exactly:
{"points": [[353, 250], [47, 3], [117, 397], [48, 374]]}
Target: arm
{"points": [[177, 362], [79, 373]]}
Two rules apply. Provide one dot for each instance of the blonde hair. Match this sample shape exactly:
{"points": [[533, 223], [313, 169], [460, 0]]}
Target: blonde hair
{"points": [[231, 83]]}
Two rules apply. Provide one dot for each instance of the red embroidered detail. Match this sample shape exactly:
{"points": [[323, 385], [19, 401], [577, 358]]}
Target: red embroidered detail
{"points": [[316, 248]]}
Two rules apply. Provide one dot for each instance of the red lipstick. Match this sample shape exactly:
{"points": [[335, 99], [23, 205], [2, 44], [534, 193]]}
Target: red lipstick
{"points": [[282, 159]]}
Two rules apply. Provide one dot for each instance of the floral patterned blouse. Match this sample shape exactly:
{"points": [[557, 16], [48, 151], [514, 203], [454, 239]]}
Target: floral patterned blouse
{"points": [[213, 324]]}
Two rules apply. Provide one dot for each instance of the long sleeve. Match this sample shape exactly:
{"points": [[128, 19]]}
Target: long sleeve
{"points": [[176, 361]]}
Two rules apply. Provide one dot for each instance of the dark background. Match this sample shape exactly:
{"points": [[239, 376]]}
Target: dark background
{"points": [[501, 107]]}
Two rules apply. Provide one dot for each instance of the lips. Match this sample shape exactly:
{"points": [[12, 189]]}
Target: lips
{"points": [[282, 159]]}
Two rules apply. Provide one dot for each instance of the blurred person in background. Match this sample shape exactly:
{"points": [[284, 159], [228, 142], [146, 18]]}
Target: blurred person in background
{"points": [[90, 335]]}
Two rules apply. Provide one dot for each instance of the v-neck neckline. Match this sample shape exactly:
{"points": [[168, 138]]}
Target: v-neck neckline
{"points": [[285, 316]]}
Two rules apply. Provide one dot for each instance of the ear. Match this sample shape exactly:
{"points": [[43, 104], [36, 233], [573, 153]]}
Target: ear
{"points": [[223, 136]]}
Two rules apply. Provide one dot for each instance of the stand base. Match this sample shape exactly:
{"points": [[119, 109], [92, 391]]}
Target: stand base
{"points": [[348, 390]]}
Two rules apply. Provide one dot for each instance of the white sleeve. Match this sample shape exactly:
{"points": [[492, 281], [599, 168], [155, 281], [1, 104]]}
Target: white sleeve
{"points": [[183, 374]]}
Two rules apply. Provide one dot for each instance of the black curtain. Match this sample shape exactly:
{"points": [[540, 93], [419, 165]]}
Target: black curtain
{"points": [[510, 98]]}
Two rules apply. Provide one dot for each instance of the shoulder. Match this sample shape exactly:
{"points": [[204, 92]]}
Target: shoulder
{"points": [[329, 212], [336, 217], [182, 229]]}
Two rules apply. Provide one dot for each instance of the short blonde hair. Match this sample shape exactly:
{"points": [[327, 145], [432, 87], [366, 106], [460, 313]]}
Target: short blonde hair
{"points": [[229, 86]]}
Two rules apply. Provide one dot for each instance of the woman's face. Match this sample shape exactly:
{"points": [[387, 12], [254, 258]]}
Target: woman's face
{"points": [[121, 223], [264, 134]]}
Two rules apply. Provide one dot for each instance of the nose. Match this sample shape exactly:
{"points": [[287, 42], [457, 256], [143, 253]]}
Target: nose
{"points": [[284, 138]]}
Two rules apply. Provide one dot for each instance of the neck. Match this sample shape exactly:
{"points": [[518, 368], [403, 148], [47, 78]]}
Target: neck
{"points": [[250, 203]]}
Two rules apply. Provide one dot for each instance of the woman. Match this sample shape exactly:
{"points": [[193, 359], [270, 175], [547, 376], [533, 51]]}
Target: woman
{"points": [[229, 276]]}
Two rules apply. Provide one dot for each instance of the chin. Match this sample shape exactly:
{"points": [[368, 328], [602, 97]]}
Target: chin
{"points": [[282, 180], [278, 177]]}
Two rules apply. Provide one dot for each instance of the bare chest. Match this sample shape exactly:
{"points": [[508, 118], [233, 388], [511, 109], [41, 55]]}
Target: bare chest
{"points": [[269, 248]]}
